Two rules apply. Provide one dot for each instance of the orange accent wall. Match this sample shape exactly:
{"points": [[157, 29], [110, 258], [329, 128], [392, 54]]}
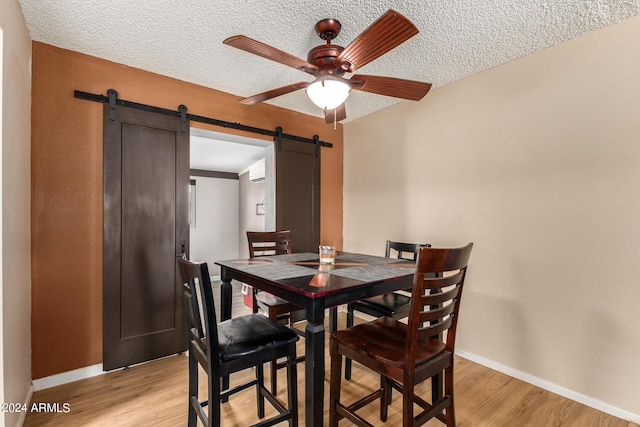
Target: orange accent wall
{"points": [[66, 182]]}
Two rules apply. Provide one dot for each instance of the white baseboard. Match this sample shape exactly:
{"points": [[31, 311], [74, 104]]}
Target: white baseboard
{"points": [[554, 388], [81, 374], [67, 377], [27, 403]]}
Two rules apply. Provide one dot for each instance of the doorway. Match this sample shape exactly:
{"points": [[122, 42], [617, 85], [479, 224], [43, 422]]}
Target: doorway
{"points": [[278, 189], [234, 187]]}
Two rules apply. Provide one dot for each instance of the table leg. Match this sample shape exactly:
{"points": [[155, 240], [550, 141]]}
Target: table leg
{"points": [[225, 296], [314, 366], [226, 302]]}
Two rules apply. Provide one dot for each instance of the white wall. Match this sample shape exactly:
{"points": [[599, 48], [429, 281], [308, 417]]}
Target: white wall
{"points": [[538, 163], [225, 211], [251, 193], [215, 236], [15, 168]]}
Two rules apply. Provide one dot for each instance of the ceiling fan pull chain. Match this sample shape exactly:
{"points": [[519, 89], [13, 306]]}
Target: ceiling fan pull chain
{"points": [[335, 118]]}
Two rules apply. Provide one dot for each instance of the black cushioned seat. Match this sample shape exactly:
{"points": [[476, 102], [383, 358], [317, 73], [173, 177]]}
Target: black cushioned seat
{"points": [[394, 305], [242, 336]]}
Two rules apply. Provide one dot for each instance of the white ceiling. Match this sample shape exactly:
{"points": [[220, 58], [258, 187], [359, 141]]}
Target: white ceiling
{"points": [[183, 38], [220, 152]]}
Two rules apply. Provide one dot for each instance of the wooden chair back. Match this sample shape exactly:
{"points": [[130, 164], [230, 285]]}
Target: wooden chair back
{"points": [[200, 308], [266, 243], [436, 294], [263, 243], [406, 251]]}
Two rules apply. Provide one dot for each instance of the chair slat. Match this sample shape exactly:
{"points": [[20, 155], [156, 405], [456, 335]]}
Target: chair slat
{"points": [[439, 298], [436, 314], [434, 330], [269, 243], [442, 282]]}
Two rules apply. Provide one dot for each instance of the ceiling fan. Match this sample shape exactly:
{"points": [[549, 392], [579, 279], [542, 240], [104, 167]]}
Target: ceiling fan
{"points": [[328, 63]]}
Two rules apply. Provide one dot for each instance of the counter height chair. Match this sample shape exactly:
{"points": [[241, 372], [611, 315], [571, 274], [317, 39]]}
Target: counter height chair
{"points": [[230, 346], [269, 243], [394, 304], [407, 354]]}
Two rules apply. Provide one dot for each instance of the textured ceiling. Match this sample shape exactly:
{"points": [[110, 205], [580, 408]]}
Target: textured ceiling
{"points": [[183, 38], [224, 152]]}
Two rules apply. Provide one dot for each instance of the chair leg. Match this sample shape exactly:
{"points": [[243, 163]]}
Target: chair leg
{"points": [[348, 363], [408, 391], [225, 386], [349, 315], [214, 389], [333, 319], [193, 388], [274, 378], [292, 385], [436, 387], [450, 411], [259, 386], [389, 391], [335, 378], [384, 399], [274, 370], [215, 414], [254, 298]]}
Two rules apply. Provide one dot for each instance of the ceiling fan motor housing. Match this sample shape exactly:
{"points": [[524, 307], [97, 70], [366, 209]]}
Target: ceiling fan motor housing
{"points": [[324, 57]]}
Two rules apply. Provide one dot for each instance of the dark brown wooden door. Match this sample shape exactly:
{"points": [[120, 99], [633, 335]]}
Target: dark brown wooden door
{"points": [[146, 182], [298, 193]]}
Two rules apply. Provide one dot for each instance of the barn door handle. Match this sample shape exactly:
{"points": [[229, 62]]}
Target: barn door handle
{"points": [[183, 244]]}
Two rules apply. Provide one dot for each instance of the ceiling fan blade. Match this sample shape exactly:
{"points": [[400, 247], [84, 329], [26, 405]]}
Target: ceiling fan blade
{"points": [[388, 32], [266, 51], [274, 93], [336, 115], [390, 86]]}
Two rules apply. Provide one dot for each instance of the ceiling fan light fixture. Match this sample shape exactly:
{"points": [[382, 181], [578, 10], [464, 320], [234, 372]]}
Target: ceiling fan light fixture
{"points": [[328, 92]]}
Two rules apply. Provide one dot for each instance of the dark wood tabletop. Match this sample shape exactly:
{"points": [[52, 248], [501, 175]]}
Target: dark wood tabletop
{"points": [[301, 279]]}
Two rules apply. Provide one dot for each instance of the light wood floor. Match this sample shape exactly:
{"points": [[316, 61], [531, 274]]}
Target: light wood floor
{"points": [[154, 394]]}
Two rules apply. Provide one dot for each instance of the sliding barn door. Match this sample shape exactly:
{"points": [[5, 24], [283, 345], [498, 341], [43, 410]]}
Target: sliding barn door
{"points": [[146, 184], [298, 193]]}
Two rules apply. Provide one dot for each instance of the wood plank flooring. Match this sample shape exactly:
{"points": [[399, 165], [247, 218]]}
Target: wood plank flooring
{"points": [[154, 394]]}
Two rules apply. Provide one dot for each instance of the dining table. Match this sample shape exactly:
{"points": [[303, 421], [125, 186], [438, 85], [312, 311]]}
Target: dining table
{"points": [[301, 278]]}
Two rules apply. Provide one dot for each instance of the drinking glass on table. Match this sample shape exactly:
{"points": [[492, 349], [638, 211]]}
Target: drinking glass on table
{"points": [[327, 254]]}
